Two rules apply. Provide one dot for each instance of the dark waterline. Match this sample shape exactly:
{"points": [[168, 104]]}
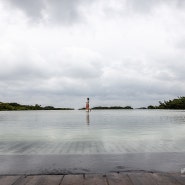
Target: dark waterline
{"points": [[97, 163]]}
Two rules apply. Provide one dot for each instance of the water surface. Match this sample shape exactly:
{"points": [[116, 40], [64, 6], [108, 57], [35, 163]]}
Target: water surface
{"points": [[110, 134]]}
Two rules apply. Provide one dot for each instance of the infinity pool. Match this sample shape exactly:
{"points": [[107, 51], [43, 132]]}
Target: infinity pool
{"points": [[105, 133]]}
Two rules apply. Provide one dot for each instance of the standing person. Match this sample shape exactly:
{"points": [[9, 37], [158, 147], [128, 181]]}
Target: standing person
{"points": [[87, 105]]}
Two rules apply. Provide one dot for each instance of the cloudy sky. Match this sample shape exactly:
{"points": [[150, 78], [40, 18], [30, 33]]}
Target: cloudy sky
{"points": [[117, 52]]}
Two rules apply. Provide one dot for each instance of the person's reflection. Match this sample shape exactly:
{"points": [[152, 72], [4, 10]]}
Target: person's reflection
{"points": [[87, 118]]}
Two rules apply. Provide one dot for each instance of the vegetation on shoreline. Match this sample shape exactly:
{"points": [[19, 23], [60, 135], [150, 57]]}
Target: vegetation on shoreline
{"points": [[16, 106], [109, 108], [113, 107], [178, 103]]}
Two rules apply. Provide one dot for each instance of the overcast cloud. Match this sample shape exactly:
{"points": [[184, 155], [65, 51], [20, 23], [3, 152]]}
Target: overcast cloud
{"points": [[117, 52]]}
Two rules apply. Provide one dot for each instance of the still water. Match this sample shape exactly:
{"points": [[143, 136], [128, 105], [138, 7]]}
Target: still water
{"points": [[102, 132], [78, 132]]}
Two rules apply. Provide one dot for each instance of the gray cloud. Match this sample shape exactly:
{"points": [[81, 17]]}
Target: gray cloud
{"points": [[64, 10], [124, 53], [69, 12], [31, 8], [54, 11], [144, 6]]}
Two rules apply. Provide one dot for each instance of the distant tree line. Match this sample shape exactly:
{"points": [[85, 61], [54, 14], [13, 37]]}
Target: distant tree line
{"points": [[16, 106], [113, 107], [103, 108], [178, 103]]}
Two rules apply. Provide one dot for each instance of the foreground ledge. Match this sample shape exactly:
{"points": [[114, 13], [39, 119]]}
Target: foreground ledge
{"points": [[96, 179]]}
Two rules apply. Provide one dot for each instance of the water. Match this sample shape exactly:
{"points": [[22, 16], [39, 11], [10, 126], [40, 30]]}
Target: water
{"points": [[78, 132], [108, 133]]}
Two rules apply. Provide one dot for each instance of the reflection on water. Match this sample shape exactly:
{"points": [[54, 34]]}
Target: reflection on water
{"points": [[87, 118], [97, 132]]}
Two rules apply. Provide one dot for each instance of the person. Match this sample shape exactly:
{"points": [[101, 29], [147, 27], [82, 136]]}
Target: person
{"points": [[87, 105]]}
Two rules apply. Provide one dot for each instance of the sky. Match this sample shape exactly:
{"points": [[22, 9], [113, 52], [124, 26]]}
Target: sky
{"points": [[116, 52]]}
